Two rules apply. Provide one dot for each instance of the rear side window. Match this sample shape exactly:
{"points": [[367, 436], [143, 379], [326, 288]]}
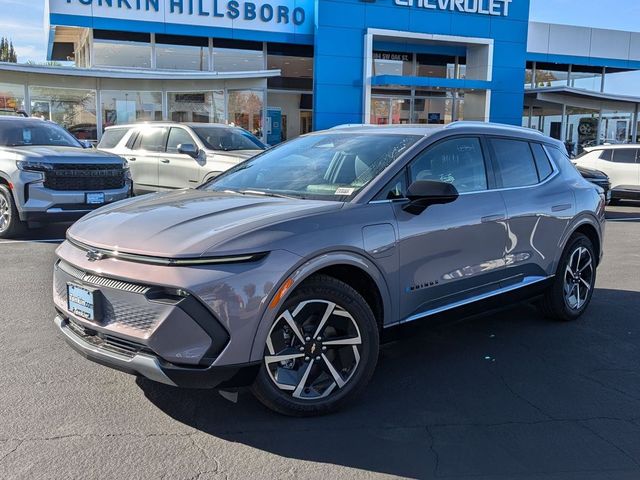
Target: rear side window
{"points": [[152, 140], [606, 155], [625, 155], [542, 161], [111, 138], [515, 162]]}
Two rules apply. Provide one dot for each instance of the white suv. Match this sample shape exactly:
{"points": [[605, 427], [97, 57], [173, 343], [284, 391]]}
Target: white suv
{"points": [[170, 155], [621, 163]]}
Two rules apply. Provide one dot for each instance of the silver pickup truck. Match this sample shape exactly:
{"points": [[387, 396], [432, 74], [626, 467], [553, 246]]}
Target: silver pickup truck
{"points": [[46, 175]]}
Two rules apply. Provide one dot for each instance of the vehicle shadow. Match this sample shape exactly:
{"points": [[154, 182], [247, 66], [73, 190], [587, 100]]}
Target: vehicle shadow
{"points": [[507, 393], [628, 210]]}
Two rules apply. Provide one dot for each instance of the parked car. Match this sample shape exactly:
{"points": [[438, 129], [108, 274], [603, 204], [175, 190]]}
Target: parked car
{"points": [[598, 178], [165, 156], [46, 175], [621, 163], [284, 271], [9, 112]]}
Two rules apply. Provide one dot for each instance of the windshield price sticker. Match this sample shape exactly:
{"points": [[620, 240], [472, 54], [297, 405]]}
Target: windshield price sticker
{"points": [[344, 191]]}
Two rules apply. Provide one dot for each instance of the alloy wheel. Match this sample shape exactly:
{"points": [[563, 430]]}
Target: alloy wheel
{"points": [[313, 350], [578, 278], [5, 213]]}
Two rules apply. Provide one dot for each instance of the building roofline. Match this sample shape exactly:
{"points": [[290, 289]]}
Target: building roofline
{"points": [[134, 74], [588, 94]]}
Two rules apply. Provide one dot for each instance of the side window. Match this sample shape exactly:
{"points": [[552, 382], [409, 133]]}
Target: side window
{"points": [[151, 140], [624, 155], [606, 155], [515, 163], [542, 161], [396, 188], [178, 136], [458, 161]]}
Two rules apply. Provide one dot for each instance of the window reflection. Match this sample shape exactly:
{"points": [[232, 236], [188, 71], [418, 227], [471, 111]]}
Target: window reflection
{"points": [[202, 107], [11, 97], [74, 109], [245, 110], [119, 107]]}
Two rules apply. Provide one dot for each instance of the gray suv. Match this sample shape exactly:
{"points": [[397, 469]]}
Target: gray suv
{"points": [[284, 272], [46, 175]]}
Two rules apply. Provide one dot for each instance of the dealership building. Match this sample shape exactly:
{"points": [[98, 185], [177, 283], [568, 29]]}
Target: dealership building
{"points": [[281, 68]]}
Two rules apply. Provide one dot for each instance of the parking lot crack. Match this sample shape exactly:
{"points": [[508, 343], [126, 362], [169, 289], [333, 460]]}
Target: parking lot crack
{"points": [[6, 455], [522, 398], [434, 452], [609, 442]]}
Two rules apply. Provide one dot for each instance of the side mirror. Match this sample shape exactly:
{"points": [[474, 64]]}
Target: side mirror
{"points": [[424, 193], [188, 149]]}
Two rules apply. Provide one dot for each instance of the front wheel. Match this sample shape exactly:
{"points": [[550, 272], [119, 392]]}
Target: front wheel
{"points": [[10, 224], [321, 350], [570, 293]]}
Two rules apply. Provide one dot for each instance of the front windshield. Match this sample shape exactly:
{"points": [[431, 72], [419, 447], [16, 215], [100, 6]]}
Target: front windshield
{"points": [[328, 166], [35, 133], [228, 139]]}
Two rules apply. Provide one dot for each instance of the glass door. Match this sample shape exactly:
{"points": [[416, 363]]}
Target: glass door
{"points": [[390, 110]]}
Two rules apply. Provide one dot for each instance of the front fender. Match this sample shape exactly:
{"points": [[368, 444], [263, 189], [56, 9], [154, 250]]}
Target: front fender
{"points": [[307, 268]]}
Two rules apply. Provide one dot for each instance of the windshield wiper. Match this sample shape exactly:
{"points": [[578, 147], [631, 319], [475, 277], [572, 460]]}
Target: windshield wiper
{"points": [[267, 194]]}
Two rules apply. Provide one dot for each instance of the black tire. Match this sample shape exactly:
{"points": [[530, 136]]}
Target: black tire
{"points": [[329, 289], [555, 304], [10, 223]]}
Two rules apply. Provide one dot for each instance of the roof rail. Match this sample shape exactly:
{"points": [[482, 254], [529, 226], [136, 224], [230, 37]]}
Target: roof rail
{"points": [[470, 123]]}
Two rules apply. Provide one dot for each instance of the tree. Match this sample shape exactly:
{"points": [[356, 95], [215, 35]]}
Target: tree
{"points": [[7, 51]]}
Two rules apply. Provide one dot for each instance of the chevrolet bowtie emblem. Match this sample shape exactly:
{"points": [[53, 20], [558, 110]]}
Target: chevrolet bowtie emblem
{"points": [[94, 255]]}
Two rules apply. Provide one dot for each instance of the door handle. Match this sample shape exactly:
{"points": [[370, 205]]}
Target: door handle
{"points": [[492, 218], [561, 208], [165, 161]]}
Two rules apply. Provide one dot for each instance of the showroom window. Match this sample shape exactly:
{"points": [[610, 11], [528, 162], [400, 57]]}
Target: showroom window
{"points": [[245, 110], [295, 63], [436, 66], [237, 56], [119, 107], [551, 75], [119, 49], [392, 63], [200, 107], [175, 52], [74, 109], [11, 97]]}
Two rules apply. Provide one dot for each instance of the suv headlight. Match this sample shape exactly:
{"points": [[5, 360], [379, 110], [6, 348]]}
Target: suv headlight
{"points": [[29, 166], [127, 170]]}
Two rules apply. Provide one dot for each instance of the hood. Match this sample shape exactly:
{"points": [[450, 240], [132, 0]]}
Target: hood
{"points": [[590, 173], [64, 154], [187, 223]]}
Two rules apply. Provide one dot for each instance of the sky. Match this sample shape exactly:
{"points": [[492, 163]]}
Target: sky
{"points": [[22, 20]]}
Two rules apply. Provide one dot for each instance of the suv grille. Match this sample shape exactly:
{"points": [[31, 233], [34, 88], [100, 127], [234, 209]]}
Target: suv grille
{"points": [[83, 176]]}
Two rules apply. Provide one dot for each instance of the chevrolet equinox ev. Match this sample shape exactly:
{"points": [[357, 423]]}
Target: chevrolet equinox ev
{"points": [[283, 272]]}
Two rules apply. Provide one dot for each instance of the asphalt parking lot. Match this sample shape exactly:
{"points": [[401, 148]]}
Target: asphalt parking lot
{"points": [[507, 395]]}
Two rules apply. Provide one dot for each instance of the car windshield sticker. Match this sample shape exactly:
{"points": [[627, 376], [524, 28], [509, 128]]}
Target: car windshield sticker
{"points": [[344, 191]]}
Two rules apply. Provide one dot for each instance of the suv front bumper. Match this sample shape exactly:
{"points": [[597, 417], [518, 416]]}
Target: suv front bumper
{"points": [[154, 368], [39, 204]]}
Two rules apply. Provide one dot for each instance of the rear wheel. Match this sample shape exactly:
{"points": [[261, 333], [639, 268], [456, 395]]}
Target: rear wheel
{"points": [[321, 350], [10, 224], [570, 293]]}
